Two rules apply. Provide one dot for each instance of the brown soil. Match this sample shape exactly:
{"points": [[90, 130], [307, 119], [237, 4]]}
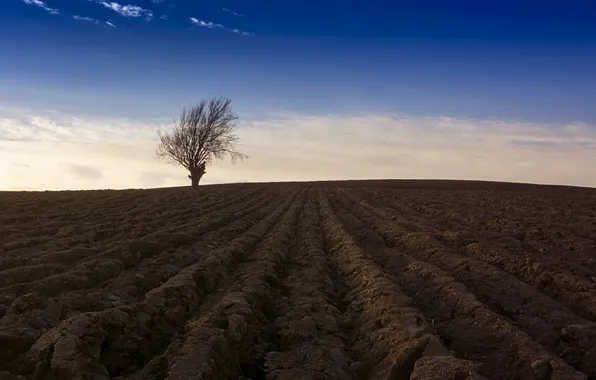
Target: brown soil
{"points": [[350, 280]]}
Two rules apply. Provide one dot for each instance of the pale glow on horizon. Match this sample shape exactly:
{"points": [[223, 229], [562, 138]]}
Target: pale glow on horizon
{"points": [[53, 151]]}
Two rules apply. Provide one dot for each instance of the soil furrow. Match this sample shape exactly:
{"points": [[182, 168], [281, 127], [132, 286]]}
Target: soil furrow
{"points": [[31, 315], [229, 336], [465, 325], [311, 343], [393, 338], [68, 231], [535, 234], [118, 340], [127, 253], [118, 229], [576, 292], [551, 324]]}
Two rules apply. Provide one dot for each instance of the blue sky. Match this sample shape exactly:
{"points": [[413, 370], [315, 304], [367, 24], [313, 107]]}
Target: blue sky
{"points": [[522, 63]]}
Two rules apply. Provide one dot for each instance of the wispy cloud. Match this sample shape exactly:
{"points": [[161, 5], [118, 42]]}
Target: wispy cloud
{"points": [[157, 1], [399, 146], [88, 19], [42, 5], [212, 25], [110, 24], [232, 12], [164, 17], [23, 124], [127, 10], [299, 147], [62, 140], [206, 24], [241, 32]]}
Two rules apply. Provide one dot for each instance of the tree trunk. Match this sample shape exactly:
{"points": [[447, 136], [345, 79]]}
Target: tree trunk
{"points": [[194, 181], [196, 174]]}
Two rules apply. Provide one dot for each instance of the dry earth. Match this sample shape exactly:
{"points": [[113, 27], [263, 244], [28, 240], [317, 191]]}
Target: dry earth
{"points": [[331, 280]]}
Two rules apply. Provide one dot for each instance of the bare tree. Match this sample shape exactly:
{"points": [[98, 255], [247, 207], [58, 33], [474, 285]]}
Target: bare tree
{"points": [[204, 132]]}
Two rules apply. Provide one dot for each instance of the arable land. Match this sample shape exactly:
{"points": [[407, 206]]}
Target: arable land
{"points": [[347, 280]]}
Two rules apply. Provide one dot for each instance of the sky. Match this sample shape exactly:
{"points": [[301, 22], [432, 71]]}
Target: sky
{"points": [[490, 90]]}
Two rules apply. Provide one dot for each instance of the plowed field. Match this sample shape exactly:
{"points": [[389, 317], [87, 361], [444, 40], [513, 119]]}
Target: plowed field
{"points": [[339, 280]]}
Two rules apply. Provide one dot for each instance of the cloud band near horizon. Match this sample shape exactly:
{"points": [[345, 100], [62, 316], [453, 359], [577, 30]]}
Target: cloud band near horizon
{"points": [[49, 151]]}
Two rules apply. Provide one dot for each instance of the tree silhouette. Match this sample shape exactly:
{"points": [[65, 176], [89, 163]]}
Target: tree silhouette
{"points": [[204, 132]]}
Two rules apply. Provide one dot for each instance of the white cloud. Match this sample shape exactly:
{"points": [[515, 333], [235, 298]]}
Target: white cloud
{"points": [[22, 124], [77, 153], [157, 1], [127, 10], [240, 32], [110, 24], [88, 19], [205, 24], [42, 5], [297, 147], [232, 12], [212, 25], [164, 17]]}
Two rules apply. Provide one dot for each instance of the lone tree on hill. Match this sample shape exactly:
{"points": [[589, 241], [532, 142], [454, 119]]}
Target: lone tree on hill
{"points": [[204, 132]]}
